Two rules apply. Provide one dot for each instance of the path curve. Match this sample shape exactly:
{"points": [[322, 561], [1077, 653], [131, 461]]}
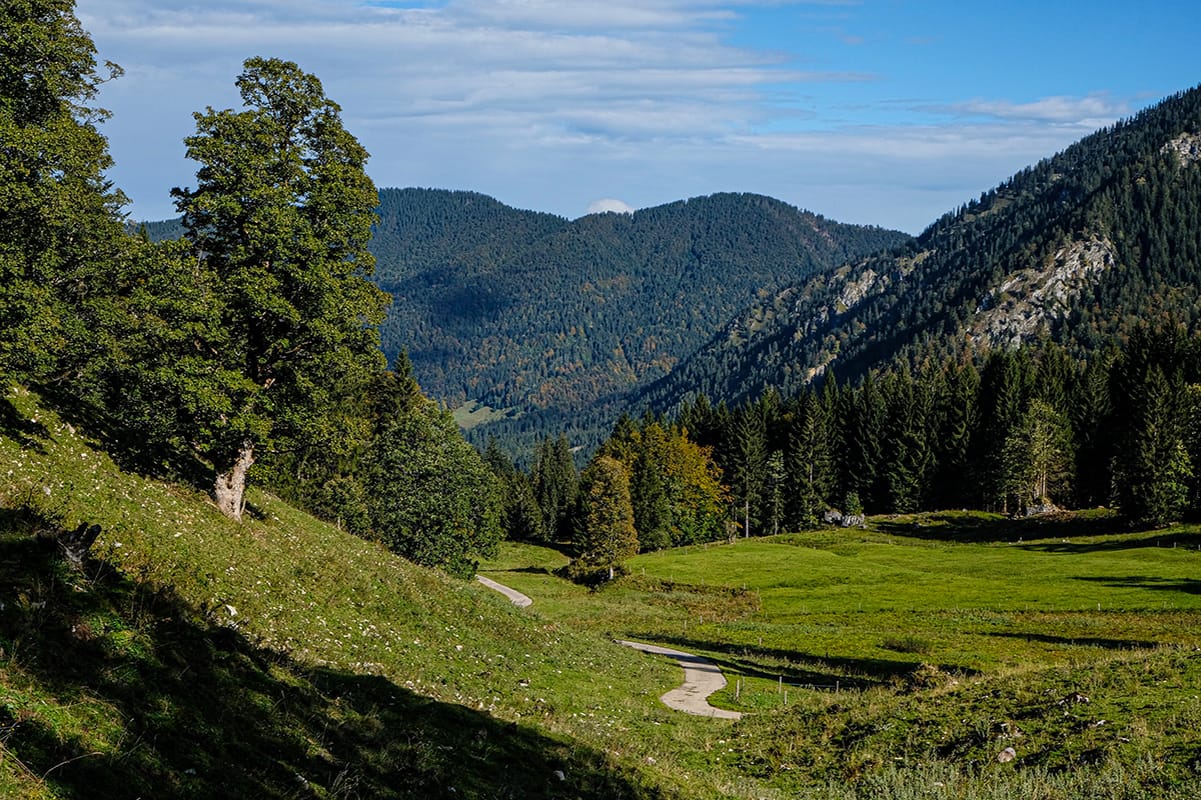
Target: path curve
{"points": [[701, 678], [515, 597]]}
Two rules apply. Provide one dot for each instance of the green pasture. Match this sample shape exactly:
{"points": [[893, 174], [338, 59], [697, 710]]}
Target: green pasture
{"points": [[885, 601], [940, 634], [328, 656], [883, 663]]}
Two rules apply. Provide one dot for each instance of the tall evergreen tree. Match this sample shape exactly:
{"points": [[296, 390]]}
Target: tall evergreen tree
{"points": [[810, 478], [908, 457], [747, 465], [653, 515], [956, 420], [60, 230], [1091, 413], [1152, 469], [863, 440], [555, 485], [281, 218], [1003, 392], [522, 518]]}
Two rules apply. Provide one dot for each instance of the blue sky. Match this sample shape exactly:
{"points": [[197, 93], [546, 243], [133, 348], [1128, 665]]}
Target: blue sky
{"points": [[880, 111]]}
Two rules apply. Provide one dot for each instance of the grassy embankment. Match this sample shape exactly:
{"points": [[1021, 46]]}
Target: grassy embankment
{"points": [[907, 657], [283, 658]]}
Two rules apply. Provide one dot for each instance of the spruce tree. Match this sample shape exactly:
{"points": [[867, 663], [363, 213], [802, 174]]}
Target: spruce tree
{"points": [[906, 443], [957, 416], [1153, 471], [1003, 393], [864, 442], [1091, 411], [747, 448], [607, 536], [555, 482], [809, 468], [522, 518]]}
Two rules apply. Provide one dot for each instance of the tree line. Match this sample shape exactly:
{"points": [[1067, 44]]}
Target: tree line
{"points": [[648, 487], [1020, 432], [248, 350], [1023, 431]]}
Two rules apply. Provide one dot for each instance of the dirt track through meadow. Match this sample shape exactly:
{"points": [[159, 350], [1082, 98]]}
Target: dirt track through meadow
{"points": [[701, 676]]}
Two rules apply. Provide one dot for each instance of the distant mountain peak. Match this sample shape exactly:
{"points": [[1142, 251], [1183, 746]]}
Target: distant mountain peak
{"points": [[517, 309], [1077, 249]]}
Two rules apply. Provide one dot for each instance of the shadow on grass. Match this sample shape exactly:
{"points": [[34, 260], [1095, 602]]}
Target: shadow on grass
{"points": [[115, 689], [533, 570], [131, 446], [1185, 585], [1080, 641], [26, 432], [1166, 539], [804, 669], [967, 528]]}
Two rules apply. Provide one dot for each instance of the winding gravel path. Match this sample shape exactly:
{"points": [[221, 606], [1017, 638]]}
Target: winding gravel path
{"points": [[701, 676], [515, 597]]}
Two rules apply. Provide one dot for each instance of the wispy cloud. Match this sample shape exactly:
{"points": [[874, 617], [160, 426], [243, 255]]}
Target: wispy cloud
{"points": [[1092, 111], [543, 58], [551, 104]]}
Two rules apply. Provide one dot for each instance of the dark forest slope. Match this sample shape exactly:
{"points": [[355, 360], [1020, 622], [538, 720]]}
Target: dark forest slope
{"points": [[1076, 249], [517, 308]]}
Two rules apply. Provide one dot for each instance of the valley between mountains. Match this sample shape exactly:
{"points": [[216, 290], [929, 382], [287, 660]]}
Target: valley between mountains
{"points": [[927, 507]]}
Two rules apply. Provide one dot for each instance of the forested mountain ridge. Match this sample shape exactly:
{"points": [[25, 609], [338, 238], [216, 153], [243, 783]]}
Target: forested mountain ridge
{"points": [[1076, 249], [526, 309]]}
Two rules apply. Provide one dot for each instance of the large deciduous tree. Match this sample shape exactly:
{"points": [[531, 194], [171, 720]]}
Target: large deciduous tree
{"points": [[675, 488], [1037, 456], [280, 220], [59, 218]]}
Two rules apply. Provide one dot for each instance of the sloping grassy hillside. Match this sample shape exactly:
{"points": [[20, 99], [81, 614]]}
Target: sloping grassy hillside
{"points": [[283, 658], [193, 657]]}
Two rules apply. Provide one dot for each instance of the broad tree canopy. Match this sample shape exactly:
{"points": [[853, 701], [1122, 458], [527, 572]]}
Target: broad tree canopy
{"points": [[280, 218], [59, 218]]}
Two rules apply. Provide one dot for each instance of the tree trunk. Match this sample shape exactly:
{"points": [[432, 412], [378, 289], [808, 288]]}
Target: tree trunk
{"points": [[230, 486]]}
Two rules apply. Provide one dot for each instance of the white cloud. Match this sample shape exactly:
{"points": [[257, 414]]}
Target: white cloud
{"points": [[550, 104], [608, 204], [1093, 111]]}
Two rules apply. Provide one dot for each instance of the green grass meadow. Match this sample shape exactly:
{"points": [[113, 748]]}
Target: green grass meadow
{"points": [[930, 644], [283, 658]]}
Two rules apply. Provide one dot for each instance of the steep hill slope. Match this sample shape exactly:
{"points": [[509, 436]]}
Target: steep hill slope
{"points": [[519, 309], [194, 657], [1076, 249]]}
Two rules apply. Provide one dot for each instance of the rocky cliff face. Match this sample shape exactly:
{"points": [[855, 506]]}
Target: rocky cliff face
{"points": [[1186, 146], [1030, 300]]}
